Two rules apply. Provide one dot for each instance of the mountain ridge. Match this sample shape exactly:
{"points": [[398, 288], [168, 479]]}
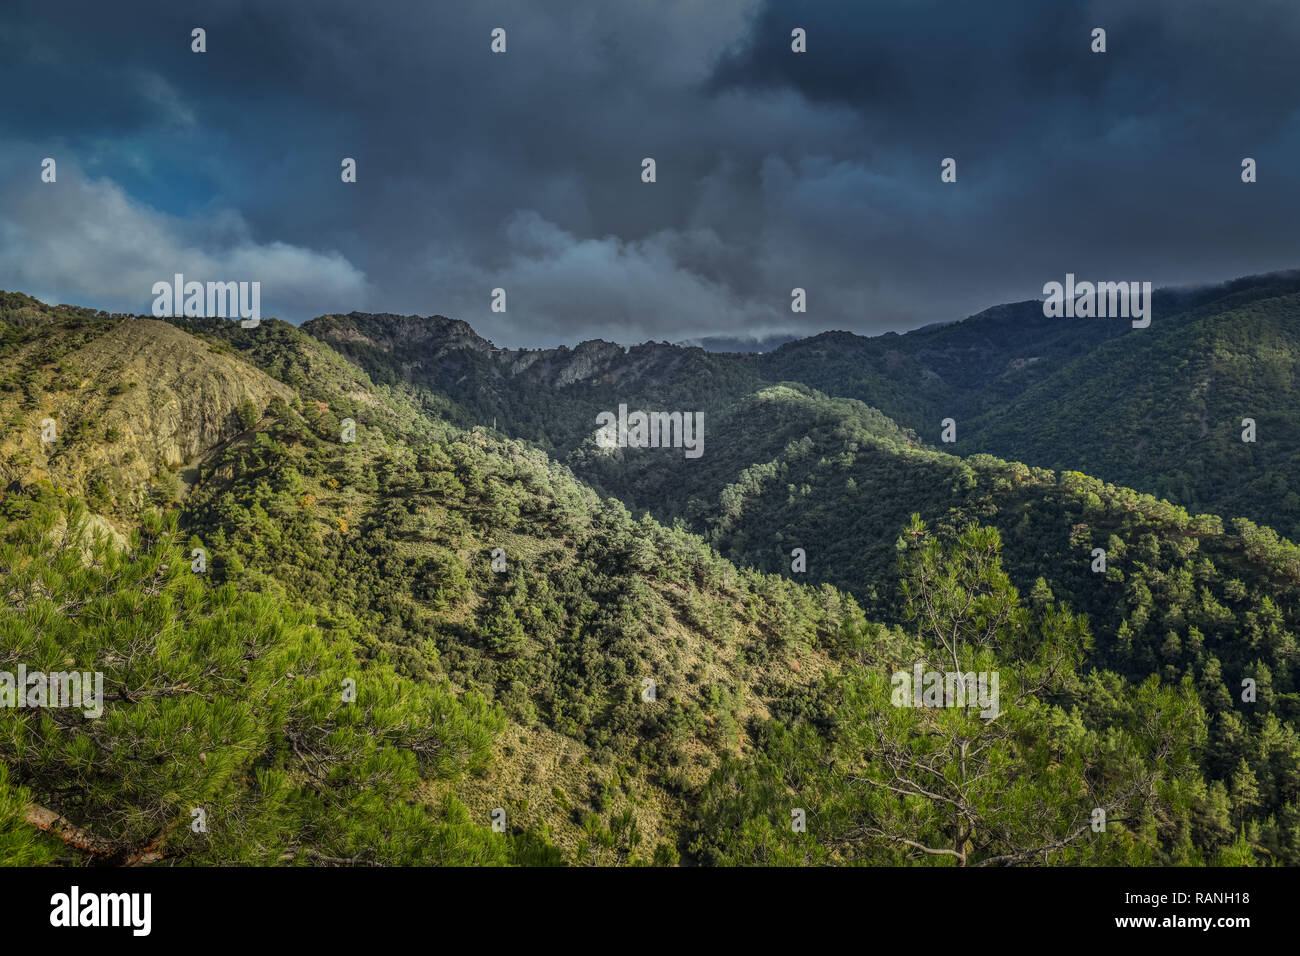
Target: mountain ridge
{"points": [[1006, 361]]}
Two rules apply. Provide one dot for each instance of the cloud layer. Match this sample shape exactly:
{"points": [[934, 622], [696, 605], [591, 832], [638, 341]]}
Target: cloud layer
{"points": [[85, 241], [522, 171]]}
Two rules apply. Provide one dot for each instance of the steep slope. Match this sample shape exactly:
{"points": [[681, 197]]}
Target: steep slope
{"points": [[395, 534], [1164, 411], [983, 362], [1158, 409], [756, 428], [108, 407]]}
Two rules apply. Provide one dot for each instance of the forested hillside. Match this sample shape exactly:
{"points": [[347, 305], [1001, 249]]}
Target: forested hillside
{"points": [[1158, 409], [1182, 594], [382, 547], [353, 620]]}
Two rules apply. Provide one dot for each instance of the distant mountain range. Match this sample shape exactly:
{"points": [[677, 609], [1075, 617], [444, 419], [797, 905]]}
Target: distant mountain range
{"points": [[1159, 409]]}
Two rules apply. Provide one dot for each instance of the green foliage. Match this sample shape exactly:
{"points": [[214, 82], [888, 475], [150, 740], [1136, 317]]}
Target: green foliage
{"points": [[370, 562], [248, 413], [895, 784], [218, 700], [20, 844]]}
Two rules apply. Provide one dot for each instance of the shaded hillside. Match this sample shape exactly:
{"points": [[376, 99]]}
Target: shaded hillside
{"points": [[759, 427], [547, 396], [1158, 409], [1165, 411]]}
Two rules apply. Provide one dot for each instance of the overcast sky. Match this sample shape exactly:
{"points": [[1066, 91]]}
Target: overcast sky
{"points": [[523, 170]]}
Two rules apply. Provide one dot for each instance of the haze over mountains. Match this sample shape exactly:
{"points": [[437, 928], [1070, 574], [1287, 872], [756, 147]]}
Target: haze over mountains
{"points": [[639, 657]]}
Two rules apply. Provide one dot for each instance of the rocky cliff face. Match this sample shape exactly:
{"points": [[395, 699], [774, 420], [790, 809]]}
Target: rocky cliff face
{"points": [[448, 349], [428, 336]]}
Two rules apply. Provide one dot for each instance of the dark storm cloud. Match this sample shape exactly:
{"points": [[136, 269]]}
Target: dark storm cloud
{"points": [[523, 171]]}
